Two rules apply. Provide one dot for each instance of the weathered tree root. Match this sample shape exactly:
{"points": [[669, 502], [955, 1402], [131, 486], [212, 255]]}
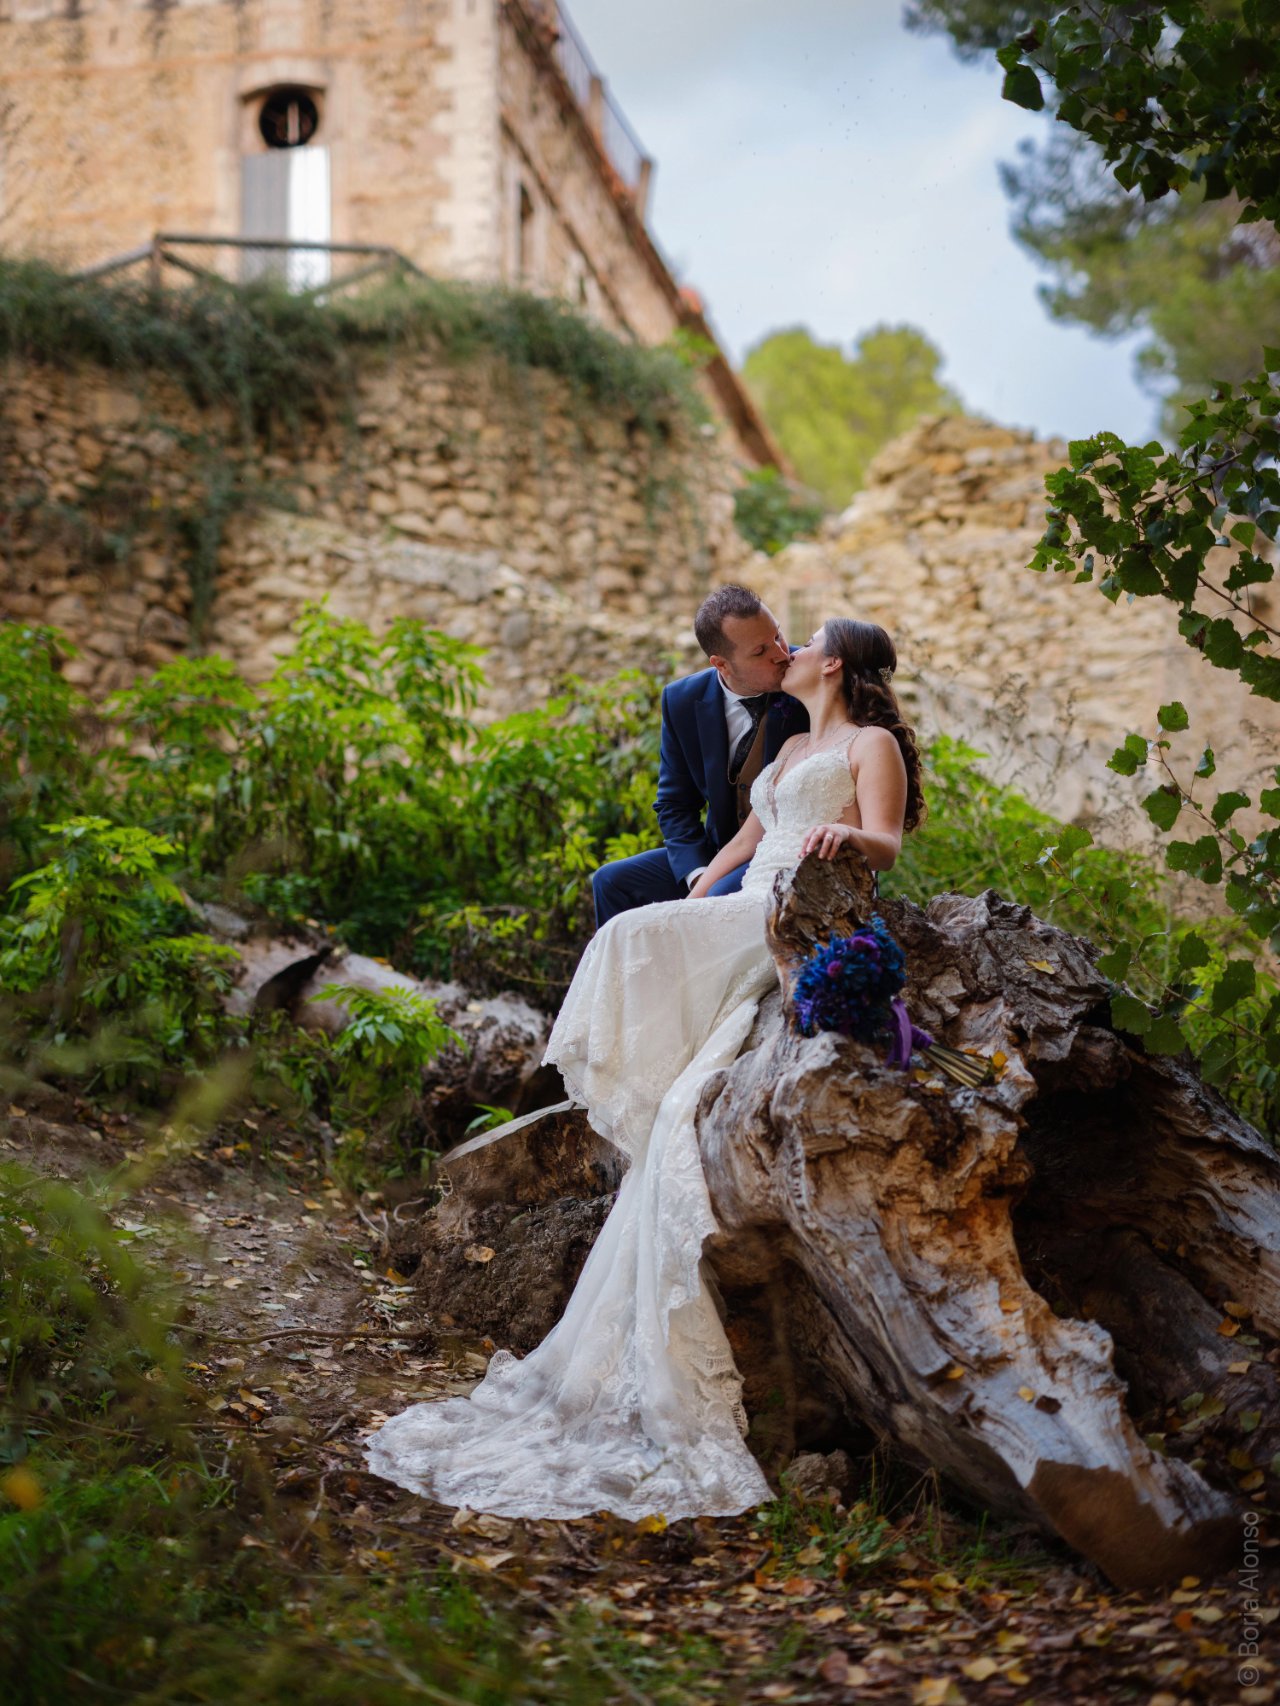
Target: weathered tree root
{"points": [[920, 1223], [1012, 1285]]}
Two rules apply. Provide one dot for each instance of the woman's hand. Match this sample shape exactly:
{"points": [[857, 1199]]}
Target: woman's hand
{"points": [[826, 839]]}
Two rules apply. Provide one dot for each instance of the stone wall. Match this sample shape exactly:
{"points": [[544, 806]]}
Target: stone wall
{"points": [[1043, 674], [497, 507]]}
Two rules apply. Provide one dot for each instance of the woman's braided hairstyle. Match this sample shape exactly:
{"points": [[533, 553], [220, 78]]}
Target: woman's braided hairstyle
{"points": [[869, 659]]}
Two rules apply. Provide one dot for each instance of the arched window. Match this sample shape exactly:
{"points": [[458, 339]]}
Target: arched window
{"points": [[288, 118], [284, 186]]}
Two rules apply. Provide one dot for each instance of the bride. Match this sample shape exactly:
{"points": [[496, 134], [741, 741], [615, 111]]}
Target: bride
{"points": [[632, 1403]]}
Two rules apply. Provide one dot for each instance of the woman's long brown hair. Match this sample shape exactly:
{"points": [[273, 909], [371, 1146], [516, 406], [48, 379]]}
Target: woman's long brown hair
{"points": [[864, 650]]}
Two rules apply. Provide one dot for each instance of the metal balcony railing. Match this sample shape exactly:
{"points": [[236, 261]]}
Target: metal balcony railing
{"points": [[258, 257], [620, 142]]}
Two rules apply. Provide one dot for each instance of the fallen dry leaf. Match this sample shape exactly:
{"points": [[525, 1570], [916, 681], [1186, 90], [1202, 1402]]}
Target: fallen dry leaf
{"points": [[978, 1670]]}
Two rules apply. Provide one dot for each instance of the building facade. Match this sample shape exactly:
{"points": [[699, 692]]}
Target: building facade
{"points": [[475, 137]]}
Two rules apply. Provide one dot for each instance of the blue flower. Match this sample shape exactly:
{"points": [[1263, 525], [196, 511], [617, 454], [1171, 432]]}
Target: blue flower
{"points": [[849, 984]]}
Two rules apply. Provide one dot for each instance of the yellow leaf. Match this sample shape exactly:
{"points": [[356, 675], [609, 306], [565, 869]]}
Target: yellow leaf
{"points": [[478, 1253], [651, 1524], [1241, 1311], [1239, 1367], [1228, 1328], [22, 1487], [955, 1372], [829, 1614], [1015, 1673], [935, 1691], [1208, 1614], [999, 1059], [1010, 1305], [1026, 1394], [978, 1670], [1043, 965], [1251, 1483]]}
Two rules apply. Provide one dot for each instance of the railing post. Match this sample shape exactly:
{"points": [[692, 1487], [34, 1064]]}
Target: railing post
{"points": [[640, 194], [595, 104], [154, 260]]}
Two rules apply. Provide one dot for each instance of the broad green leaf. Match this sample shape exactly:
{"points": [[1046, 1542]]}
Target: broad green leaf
{"points": [[1192, 951], [1218, 1058], [1130, 1014], [1236, 984], [1163, 806], [1126, 759], [1202, 858], [1164, 1036], [1022, 87], [1226, 805], [1173, 716], [1116, 963]]}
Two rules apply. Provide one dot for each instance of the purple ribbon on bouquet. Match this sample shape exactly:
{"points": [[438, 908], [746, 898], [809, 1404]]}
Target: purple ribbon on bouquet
{"points": [[904, 1036], [851, 985]]}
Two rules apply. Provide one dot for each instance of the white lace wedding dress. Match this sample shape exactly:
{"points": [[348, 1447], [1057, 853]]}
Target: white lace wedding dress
{"points": [[632, 1403]]}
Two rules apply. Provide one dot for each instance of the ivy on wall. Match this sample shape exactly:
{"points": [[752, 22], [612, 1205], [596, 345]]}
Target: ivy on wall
{"points": [[263, 364]]}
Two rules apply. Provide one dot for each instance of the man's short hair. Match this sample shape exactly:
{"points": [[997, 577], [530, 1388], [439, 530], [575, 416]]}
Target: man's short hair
{"points": [[708, 624]]}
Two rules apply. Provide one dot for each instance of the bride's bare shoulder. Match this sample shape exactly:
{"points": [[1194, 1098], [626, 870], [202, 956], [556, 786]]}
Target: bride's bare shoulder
{"points": [[872, 745]]}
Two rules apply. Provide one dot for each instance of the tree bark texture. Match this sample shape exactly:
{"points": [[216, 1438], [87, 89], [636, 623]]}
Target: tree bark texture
{"points": [[1061, 1290], [1002, 1279]]}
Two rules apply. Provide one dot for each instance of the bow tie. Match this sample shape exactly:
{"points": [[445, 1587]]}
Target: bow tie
{"points": [[757, 702]]}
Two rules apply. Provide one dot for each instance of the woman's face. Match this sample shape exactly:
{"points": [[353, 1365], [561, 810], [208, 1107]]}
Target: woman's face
{"points": [[805, 668]]}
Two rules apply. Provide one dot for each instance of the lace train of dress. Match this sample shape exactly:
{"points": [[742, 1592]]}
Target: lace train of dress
{"points": [[633, 1403]]}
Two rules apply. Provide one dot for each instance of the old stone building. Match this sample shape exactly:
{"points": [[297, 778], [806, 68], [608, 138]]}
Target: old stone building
{"points": [[474, 137]]}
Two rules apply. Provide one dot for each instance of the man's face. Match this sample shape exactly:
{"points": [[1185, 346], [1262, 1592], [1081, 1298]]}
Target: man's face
{"points": [[755, 655]]}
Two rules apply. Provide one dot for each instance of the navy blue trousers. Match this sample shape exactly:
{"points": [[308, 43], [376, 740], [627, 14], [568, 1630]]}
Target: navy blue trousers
{"points": [[643, 879]]}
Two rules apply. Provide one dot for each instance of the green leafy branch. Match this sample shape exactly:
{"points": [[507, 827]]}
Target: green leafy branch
{"points": [[1172, 96]]}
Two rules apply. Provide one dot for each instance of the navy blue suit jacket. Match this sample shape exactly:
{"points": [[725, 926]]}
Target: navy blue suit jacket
{"points": [[696, 807]]}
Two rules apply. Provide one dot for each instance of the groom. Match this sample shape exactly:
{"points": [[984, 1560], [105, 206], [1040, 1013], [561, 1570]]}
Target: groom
{"points": [[719, 729]]}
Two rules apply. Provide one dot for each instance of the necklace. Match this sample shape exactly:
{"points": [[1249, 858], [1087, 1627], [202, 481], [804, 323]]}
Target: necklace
{"points": [[795, 753]]}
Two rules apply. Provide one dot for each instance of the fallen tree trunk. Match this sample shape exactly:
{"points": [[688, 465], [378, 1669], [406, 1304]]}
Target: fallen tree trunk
{"points": [[496, 1063], [1001, 1279], [1061, 1290]]}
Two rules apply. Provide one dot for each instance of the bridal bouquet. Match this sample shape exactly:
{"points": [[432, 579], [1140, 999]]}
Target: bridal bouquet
{"points": [[851, 985]]}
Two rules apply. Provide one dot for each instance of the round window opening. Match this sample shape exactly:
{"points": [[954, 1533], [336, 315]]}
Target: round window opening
{"points": [[288, 119]]}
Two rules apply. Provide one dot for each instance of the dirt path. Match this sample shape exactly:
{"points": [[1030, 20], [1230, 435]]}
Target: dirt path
{"points": [[302, 1340]]}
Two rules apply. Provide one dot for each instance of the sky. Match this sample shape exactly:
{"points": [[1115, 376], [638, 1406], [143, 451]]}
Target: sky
{"points": [[817, 165]]}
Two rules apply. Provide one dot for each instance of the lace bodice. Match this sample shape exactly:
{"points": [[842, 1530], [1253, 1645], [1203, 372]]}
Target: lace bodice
{"points": [[816, 790]]}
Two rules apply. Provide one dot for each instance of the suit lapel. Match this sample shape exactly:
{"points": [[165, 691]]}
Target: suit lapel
{"points": [[713, 744], [786, 717]]}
